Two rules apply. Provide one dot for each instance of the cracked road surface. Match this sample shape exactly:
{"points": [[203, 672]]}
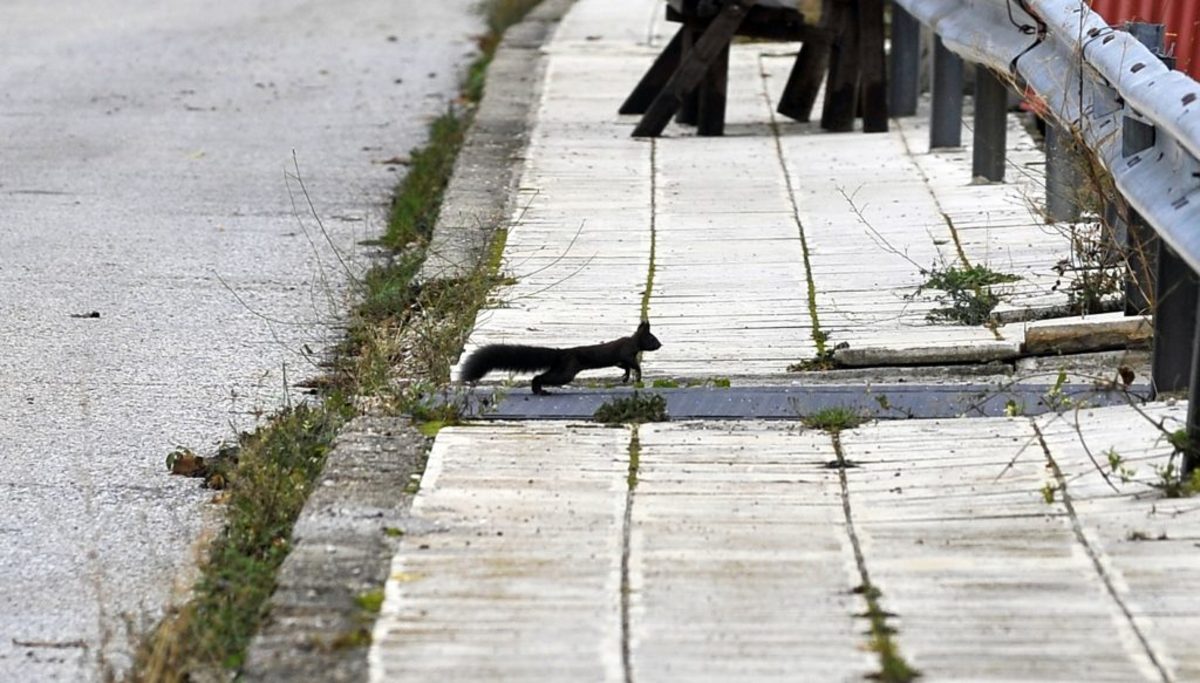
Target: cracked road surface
{"points": [[145, 149]]}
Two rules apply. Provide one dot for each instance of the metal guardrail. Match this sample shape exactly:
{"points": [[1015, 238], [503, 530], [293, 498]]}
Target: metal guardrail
{"points": [[1106, 88], [1091, 76]]}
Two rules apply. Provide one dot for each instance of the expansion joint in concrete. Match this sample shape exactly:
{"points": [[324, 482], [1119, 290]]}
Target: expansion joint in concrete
{"points": [[881, 633], [635, 450], [653, 229], [819, 337], [1094, 555]]}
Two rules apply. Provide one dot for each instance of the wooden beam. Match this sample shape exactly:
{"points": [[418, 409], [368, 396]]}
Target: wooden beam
{"points": [[841, 90], [655, 77], [693, 68], [874, 66]]}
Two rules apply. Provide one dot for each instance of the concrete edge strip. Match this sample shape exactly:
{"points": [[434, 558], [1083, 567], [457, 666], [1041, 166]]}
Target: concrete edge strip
{"points": [[482, 193], [340, 547]]}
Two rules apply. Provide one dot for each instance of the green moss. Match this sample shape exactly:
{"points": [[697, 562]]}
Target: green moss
{"points": [[370, 601]]}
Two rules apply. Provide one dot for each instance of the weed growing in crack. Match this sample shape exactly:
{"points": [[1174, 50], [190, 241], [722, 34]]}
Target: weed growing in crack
{"points": [[834, 419], [965, 293], [1118, 467], [1170, 479], [1094, 269], [635, 408], [276, 468]]}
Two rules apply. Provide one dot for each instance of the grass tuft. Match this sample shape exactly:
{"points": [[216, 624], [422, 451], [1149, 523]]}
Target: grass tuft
{"points": [[275, 471], [414, 208], [966, 293], [834, 420], [635, 408]]}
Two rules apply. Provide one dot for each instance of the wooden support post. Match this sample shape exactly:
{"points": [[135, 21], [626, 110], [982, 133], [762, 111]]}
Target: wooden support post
{"points": [[711, 121], [841, 88], [694, 67], [689, 109], [945, 128], [904, 82], [804, 82], [991, 125], [655, 77], [873, 59]]}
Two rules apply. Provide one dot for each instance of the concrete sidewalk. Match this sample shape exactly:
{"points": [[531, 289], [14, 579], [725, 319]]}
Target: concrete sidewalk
{"points": [[1022, 548]]}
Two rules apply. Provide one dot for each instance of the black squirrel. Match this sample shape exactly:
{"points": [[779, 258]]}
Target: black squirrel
{"points": [[561, 365]]}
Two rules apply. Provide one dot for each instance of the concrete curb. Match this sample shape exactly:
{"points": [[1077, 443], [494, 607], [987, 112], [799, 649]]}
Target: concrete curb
{"points": [[483, 187], [340, 549], [340, 544]]}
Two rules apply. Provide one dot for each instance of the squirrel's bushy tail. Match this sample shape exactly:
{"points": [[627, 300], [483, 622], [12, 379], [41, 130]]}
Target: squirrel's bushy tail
{"points": [[511, 357]]}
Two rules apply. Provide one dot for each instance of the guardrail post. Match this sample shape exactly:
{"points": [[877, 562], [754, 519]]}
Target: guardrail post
{"points": [[991, 125], [1141, 243], [904, 78], [1191, 454], [1174, 322], [1176, 289], [945, 129], [1063, 178]]}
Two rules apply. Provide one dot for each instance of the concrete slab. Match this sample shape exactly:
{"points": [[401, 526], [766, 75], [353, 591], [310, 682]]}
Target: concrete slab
{"points": [[730, 553], [514, 569]]}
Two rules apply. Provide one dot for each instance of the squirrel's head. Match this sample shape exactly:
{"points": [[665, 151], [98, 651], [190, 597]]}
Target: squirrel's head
{"points": [[645, 340]]}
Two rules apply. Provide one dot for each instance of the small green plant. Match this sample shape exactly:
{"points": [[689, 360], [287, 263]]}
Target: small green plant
{"points": [[966, 295], [635, 408], [1055, 399], [721, 382], [893, 667], [1170, 478], [1013, 409], [275, 470], [665, 384], [370, 601], [1172, 482], [822, 361], [1049, 492], [1117, 466], [393, 532], [352, 639], [834, 419]]}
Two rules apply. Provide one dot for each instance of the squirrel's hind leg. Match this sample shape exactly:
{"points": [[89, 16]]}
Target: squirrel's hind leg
{"points": [[555, 377]]}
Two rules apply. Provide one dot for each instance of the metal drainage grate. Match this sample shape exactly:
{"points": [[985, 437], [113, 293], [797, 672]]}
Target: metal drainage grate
{"points": [[894, 401]]}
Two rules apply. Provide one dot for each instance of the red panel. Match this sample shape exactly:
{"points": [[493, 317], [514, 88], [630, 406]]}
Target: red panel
{"points": [[1182, 18]]}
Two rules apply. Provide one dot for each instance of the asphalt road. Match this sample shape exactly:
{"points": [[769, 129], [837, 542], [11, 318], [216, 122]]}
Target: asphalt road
{"points": [[143, 153]]}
